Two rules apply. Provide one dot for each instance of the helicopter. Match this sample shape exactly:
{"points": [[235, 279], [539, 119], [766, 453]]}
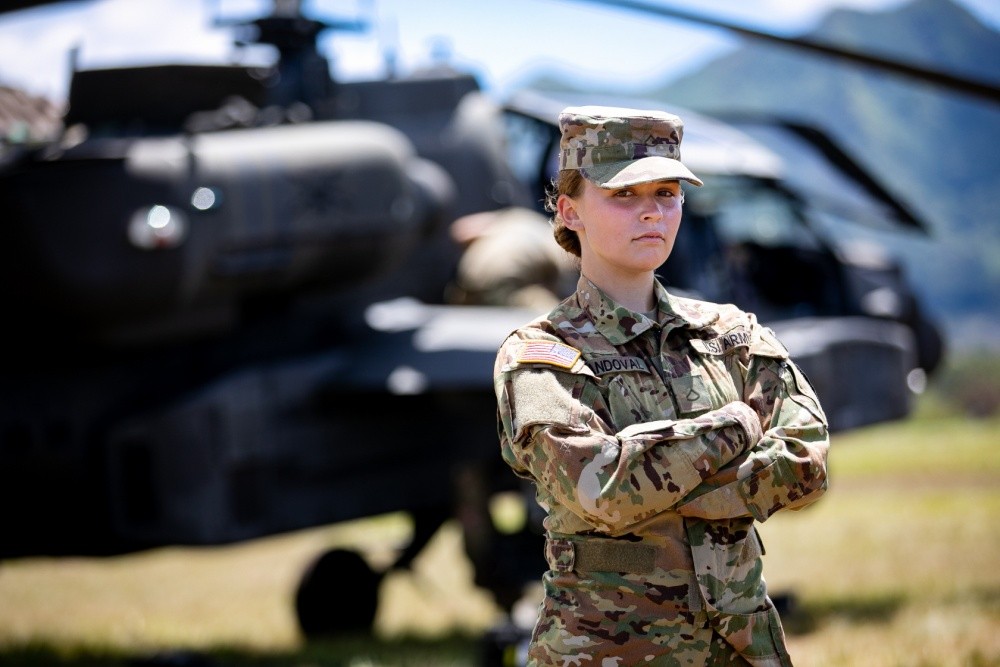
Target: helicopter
{"points": [[227, 315]]}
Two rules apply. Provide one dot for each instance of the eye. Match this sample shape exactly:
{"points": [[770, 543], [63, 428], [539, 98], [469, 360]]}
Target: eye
{"points": [[624, 192]]}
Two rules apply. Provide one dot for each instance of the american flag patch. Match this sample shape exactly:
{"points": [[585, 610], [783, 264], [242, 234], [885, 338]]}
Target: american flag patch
{"points": [[545, 352]]}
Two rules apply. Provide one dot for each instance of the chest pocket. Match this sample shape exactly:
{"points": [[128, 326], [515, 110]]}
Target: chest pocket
{"points": [[721, 368], [691, 394], [632, 389]]}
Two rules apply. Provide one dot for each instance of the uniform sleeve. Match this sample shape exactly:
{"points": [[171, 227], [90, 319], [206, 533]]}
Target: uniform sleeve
{"points": [[787, 468], [551, 432]]}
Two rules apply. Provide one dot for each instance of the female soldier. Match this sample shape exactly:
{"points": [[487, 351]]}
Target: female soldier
{"points": [[657, 429]]}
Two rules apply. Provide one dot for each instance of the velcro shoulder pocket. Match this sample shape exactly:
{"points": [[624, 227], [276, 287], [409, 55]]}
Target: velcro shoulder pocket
{"points": [[542, 396]]}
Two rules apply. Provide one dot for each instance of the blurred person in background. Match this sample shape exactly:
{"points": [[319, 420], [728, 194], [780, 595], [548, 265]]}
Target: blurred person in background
{"points": [[510, 259]]}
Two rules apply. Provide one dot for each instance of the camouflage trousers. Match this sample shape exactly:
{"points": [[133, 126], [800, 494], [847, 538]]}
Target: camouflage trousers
{"points": [[688, 642], [611, 628]]}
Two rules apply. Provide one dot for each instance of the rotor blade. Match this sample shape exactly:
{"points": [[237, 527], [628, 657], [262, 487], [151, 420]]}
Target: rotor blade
{"points": [[831, 150], [979, 88]]}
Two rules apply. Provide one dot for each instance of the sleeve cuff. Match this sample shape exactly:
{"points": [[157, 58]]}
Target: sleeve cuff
{"points": [[748, 419]]}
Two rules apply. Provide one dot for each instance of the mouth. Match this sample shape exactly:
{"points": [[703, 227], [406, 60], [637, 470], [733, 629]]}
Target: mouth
{"points": [[650, 236]]}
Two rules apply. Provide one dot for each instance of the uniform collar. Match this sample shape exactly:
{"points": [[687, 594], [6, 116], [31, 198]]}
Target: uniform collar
{"points": [[619, 324]]}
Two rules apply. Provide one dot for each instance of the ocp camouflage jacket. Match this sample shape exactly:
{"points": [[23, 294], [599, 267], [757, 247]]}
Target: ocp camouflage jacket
{"points": [[654, 445]]}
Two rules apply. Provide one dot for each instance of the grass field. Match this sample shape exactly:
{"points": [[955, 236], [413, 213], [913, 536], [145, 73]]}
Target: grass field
{"points": [[898, 566]]}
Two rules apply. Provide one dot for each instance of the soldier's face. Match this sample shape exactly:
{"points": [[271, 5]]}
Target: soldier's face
{"points": [[625, 231]]}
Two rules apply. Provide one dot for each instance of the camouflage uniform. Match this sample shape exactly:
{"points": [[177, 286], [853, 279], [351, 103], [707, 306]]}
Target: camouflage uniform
{"points": [[654, 445]]}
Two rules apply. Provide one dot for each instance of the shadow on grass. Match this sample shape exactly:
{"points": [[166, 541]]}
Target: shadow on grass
{"points": [[802, 618], [988, 598], [359, 651]]}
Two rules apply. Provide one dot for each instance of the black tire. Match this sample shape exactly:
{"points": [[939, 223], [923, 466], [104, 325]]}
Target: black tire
{"points": [[338, 595]]}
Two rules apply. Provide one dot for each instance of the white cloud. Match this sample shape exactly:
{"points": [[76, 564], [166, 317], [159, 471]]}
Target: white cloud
{"points": [[35, 45], [34, 53], [151, 30]]}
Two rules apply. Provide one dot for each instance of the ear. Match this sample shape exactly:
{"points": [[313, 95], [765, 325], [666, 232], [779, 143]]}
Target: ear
{"points": [[568, 212]]}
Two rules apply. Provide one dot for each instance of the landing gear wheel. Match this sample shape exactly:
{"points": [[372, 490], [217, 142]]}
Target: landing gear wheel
{"points": [[338, 595]]}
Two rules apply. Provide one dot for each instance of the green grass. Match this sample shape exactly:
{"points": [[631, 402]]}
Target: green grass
{"points": [[353, 652], [897, 566], [898, 563]]}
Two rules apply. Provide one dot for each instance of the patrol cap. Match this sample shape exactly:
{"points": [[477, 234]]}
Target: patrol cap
{"points": [[616, 147]]}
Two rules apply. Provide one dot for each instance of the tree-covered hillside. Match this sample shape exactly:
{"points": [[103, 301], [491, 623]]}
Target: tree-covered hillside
{"points": [[938, 150]]}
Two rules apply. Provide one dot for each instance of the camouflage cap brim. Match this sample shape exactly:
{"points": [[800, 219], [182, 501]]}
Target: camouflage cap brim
{"points": [[622, 174]]}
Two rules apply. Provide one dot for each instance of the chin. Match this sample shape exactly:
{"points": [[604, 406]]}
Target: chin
{"points": [[652, 262]]}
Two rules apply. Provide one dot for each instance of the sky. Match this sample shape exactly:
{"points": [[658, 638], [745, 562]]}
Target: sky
{"points": [[500, 42]]}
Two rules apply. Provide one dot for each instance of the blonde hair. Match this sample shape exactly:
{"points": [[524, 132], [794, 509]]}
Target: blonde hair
{"points": [[570, 183]]}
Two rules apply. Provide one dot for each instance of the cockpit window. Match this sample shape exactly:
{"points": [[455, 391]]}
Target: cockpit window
{"points": [[528, 142], [750, 211]]}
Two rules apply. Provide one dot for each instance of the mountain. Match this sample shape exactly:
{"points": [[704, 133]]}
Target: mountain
{"points": [[938, 150]]}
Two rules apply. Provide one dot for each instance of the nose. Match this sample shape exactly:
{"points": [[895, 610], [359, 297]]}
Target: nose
{"points": [[651, 210]]}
